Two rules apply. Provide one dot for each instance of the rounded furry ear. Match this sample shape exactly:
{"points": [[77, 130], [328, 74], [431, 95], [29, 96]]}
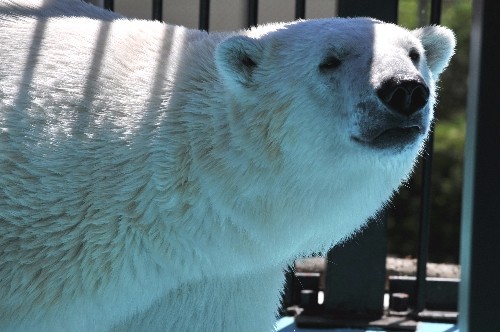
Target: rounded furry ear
{"points": [[439, 44], [236, 58]]}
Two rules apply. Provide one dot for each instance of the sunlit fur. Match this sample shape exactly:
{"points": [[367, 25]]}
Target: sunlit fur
{"points": [[151, 180]]}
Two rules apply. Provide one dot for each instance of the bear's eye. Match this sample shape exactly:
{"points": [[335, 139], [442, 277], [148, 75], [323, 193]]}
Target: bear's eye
{"points": [[414, 55], [332, 62]]}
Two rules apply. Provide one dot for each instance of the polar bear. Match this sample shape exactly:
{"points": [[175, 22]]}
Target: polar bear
{"points": [[156, 178]]}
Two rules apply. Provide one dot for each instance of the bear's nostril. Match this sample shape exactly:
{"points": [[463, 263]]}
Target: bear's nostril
{"points": [[398, 100], [419, 96], [405, 97]]}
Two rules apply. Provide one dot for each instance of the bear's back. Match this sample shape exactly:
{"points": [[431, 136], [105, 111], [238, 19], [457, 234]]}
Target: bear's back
{"points": [[82, 101]]}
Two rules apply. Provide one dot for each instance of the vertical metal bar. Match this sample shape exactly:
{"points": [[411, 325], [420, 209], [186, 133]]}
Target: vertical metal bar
{"points": [[424, 227], [300, 9], [380, 9], [479, 302], [436, 12], [158, 10], [425, 201], [204, 17], [253, 9], [109, 4]]}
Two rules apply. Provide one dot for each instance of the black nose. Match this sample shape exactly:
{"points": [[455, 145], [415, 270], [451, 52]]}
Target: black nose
{"points": [[404, 96]]}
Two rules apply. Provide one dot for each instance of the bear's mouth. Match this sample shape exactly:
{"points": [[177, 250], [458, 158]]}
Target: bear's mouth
{"points": [[396, 137]]}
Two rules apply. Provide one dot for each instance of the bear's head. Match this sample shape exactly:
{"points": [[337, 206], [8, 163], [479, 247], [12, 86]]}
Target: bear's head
{"points": [[344, 104], [357, 85]]}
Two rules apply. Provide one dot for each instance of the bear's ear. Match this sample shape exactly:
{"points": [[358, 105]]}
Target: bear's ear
{"points": [[236, 59], [439, 44]]}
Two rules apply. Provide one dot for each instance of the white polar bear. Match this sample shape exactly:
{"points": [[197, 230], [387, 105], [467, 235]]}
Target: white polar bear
{"points": [[155, 178]]}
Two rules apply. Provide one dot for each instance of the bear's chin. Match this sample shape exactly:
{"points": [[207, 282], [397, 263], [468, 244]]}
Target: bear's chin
{"points": [[394, 139]]}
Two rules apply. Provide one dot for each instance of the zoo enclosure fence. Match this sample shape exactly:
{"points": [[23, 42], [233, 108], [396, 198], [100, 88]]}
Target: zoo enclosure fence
{"points": [[361, 297]]}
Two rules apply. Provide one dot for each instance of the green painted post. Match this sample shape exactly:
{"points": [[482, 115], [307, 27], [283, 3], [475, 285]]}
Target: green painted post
{"points": [[479, 297], [355, 275]]}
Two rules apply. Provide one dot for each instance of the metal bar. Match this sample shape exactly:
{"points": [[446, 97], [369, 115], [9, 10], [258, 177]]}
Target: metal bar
{"points": [[380, 9], [158, 10], [300, 9], [480, 268], [253, 9], [204, 17], [424, 227], [109, 4], [436, 12], [425, 201]]}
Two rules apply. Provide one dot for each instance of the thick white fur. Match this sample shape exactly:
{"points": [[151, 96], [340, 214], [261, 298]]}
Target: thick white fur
{"points": [[149, 180]]}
